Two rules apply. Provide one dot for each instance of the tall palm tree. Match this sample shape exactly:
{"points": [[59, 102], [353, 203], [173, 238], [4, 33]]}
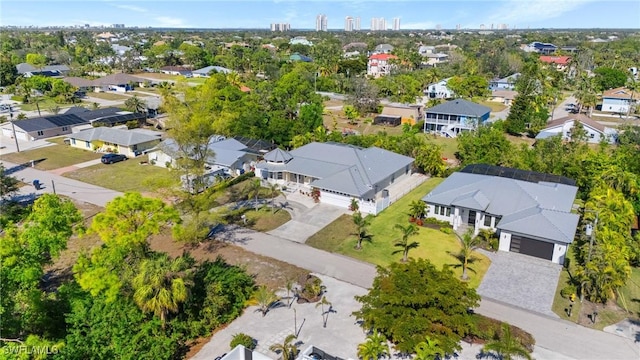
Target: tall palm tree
{"points": [[135, 104], [162, 284], [253, 191], [287, 350], [325, 314], [264, 299], [362, 228], [507, 347], [469, 244], [374, 347], [404, 244], [274, 190], [289, 286], [429, 350]]}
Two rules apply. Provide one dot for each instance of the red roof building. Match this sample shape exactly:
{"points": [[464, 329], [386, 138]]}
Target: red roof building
{"points": [[558, 60], [379, 64]]}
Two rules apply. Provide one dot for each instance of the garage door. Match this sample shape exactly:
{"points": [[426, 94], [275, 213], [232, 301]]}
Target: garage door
{"points": [[527, 246]]}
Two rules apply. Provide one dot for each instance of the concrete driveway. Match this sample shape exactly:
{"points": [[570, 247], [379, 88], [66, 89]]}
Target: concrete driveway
{"points": [[521, 280], [307, 222], [340, 338]]}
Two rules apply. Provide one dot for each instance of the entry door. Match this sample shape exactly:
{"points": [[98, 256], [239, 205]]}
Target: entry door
{"points": [[472, 218]]}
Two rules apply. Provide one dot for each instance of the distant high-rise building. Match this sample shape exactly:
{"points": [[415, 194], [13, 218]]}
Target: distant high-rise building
{"points": [[321, 22], [349, 23], [482, 27], [458, 27], [280, 26], [357, 25], [118, 26], [396, 24], [378, 24]]}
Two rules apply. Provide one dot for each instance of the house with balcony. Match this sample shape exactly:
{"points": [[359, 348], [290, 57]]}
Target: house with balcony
{"points": [[455, 116], [439, 90], [529, 211], [340, 173], [560, 62], [619, 100], [380, 65]]}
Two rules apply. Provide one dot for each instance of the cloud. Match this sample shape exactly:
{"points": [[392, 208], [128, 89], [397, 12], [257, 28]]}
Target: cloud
{"points": [[171, 22], [132, 8], [514, 12]]}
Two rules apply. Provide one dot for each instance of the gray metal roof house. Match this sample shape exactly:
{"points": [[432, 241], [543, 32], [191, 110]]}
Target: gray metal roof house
{"points": [[341, 172], [531, 217], [455, 116], [122, 141]]}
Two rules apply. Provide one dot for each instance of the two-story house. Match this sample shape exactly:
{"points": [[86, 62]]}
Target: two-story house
{"points": [[619, 100], [455, 116], [439, 90], [380, 64]]}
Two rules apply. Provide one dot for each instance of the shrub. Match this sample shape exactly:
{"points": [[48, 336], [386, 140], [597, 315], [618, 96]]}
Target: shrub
{"points": [[487, 329], [446, 230], [244, 340], [568, 291], [312, 289], [419, 222]]}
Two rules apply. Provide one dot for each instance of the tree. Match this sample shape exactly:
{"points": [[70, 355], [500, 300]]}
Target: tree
{"points": [[362, 228], [507, 347], [8, 184], [469, 244], [469, 86], [608, 78], [162, 284], [428, 158], [429, 350], [8, 71], [37, 60], [350, 112], [244, 340], [287, 350], [253, 190], [325, 314], [411, 301], [364, 97], [135, 104], [404, 244], [417, 209], [529, 108], [264, 299], [374, 347], [486, 145]]}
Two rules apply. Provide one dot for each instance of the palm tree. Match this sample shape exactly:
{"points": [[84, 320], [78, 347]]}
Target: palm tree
{"points": [[469, 244], [287, 350], [407, 231], [253, 191], [362, 231], [374, 347], [162, 284], [135, 104], [417, 209], [354, 205], [428, 350], [325, 314], [507, 347], [264, 299], [289, 287], [274, 190]]}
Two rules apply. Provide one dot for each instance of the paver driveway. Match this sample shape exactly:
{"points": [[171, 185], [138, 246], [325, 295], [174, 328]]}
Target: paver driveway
{"points": [[521, 280]]}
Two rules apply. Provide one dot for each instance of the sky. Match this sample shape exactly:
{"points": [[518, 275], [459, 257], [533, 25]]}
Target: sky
{"points": [[301, 14]]}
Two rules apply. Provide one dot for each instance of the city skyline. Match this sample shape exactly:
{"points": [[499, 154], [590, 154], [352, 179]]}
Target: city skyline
{"points": [[426, 14]]}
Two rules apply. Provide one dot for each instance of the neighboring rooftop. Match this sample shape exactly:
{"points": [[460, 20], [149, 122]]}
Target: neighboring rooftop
{"points": [[620, 93], [116, 136], [516, 174], [460, 107]]}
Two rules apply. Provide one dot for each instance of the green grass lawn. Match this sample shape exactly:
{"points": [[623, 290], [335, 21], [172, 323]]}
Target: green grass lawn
{"points": [[107, 96], [449, 145], [561, 304], [495, 106], [52, 157], [46, 104], [630, 298], [265, 219], [124, 176], [434, 245]]}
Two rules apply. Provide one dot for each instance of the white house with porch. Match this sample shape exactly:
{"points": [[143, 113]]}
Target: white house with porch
{"points": [[340, 172], [530, 212]]}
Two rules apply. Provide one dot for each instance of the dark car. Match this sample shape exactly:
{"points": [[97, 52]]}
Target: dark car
{"points": [[112, 158]]}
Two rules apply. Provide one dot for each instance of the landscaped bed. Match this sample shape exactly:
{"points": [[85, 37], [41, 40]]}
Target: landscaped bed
{"points": [[52, 157], [435, 245]]}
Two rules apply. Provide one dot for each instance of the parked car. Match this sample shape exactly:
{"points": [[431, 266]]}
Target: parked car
{"points": [[112, 158]]}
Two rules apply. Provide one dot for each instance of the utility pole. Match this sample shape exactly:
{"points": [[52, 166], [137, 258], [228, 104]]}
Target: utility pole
{"points": [[53, 186], [591, 232], [13, 128]]}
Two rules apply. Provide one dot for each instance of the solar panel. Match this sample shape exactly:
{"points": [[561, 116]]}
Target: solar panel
{"points": [[517, 174]]}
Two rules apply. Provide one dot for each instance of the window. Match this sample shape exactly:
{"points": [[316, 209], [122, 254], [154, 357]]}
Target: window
{"points": [[436, 209], [135, 147], [40, 133], [442, 210], [448, 211], [487, 220], [73, 141], [65, 128], [592, 135], [87, 144], [279, 176]]}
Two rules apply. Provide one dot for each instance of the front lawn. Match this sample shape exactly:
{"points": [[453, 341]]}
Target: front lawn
{"points": [[495, 106], [265, 219], [129, 175], [434, 245], [52, 157], [449, 145], [107, 96], [46, 104]]}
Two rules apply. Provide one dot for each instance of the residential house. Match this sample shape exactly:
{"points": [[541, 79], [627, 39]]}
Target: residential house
{"points": [[299, 57], [619, 100], [120, 50], [383, 49], [504, 97], [42, 127], [355, 45], [409, 114], [300, 40], [539, 47], [117, 82], [176, 70], [229, 156], [455, 116], [122, 141], [595, 132], [242, 353], [28, 70], [380, 64], [530, 212], [425, 49], [561, 62], [439, 90], [110, 116], [436, 59], [507, 83], [82, 84], [340, 173], [205, 71]]}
